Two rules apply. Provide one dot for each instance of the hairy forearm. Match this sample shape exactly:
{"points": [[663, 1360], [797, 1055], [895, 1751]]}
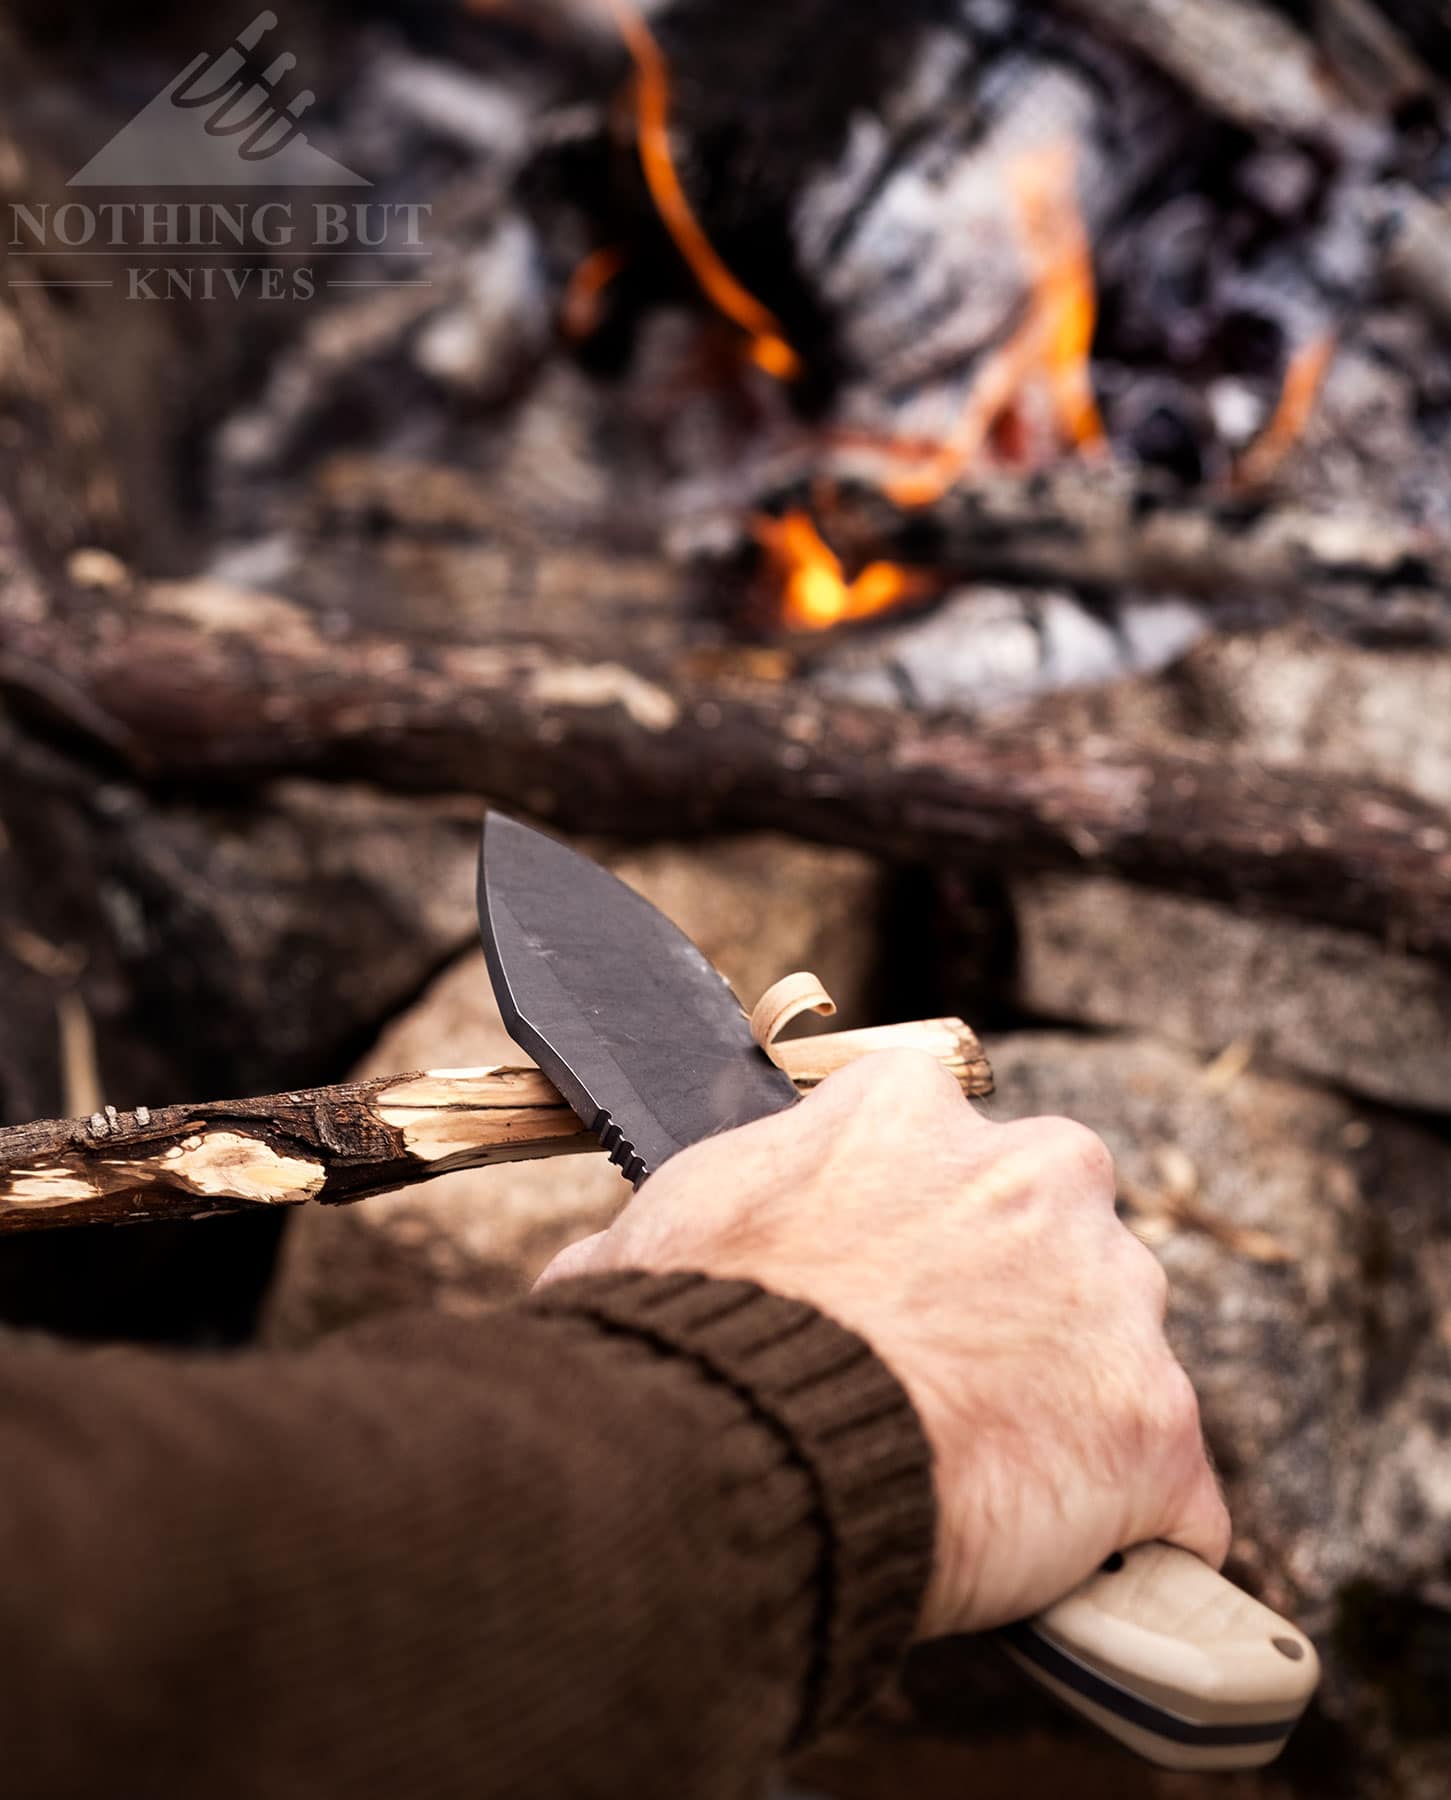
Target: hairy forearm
{"points": [[591, 1544]]}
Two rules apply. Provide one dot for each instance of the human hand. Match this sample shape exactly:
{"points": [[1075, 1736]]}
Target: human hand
{"points": [[986, 1266]]}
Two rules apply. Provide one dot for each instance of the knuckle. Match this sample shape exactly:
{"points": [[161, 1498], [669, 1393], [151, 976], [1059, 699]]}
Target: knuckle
{"points": [[904, 1076], [1179, 1409], [1144, 1272], [1080, 1151]]}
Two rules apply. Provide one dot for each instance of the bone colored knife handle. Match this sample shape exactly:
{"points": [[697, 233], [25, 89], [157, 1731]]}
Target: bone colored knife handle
{"points": [[1173, 1660]]}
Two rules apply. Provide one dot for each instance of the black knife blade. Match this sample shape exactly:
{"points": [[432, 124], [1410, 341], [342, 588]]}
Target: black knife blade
{"points": [[628, 1019]]}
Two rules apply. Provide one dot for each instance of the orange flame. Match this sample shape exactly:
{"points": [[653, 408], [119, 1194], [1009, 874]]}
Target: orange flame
{"points": [[1064, 300], [1051, 344], [815, 592], [768, 347], [580, 314], [1001, 378], [1304, 376]]}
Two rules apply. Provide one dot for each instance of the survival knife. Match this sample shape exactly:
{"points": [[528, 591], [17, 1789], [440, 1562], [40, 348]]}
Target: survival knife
{"points": [[648, 1044]]}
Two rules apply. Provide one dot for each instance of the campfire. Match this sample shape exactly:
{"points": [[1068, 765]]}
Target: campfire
{"points": [[1217, 402], [1022, 245], [968, 481]]}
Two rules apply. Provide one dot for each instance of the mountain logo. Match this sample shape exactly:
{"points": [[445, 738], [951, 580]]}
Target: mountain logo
{"points": [[220, 123]]}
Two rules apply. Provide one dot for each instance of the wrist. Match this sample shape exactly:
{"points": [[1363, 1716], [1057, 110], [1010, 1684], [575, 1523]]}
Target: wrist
{"points": [[843, 1417]]}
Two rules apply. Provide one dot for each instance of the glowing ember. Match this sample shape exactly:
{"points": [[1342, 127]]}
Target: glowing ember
{"points": [[1050, 347], [1303, 378], [580, 314], [815, 592], [768, 347]]}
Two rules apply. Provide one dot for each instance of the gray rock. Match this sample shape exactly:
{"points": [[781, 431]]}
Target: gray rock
{"points": [[1309, 1246], [1331, 1003], [1294, 698]]}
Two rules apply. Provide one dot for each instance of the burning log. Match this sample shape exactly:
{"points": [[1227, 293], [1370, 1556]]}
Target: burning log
{"points": [[1423, 24], [1418, 251], [345, 1143], [1372, 575], [1239, 58], [1245, 62]]}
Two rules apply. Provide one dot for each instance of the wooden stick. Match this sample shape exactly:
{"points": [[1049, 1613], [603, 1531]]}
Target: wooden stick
{"points": [[343, 1143]]}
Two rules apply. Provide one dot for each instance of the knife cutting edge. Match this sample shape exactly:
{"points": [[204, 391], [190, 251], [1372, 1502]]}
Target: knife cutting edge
{"points": [[646, 1041]]}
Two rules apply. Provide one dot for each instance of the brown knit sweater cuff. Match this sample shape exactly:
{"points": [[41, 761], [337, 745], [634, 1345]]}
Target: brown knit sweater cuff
{"points": [[843, 1416]]}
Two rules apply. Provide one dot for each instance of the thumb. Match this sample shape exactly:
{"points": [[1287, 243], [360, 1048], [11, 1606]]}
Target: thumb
{"points": [[579, 1258]]}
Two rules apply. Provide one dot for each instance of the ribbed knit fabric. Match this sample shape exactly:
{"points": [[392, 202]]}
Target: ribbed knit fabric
{"points": [[632, 1537], [841, 1415]]}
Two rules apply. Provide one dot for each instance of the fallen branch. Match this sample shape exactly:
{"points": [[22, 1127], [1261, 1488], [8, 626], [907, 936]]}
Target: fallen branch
{"points": [[343, 1143], [235, 686]]}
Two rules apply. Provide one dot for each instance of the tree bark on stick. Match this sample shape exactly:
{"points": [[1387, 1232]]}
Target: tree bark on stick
{"points": [[343, 1143]]}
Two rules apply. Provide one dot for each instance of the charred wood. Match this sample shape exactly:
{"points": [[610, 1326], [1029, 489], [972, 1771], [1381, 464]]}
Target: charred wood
{"points": [[1214, 47], [1370, 574], [1426, 25], [1418, 252]]}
